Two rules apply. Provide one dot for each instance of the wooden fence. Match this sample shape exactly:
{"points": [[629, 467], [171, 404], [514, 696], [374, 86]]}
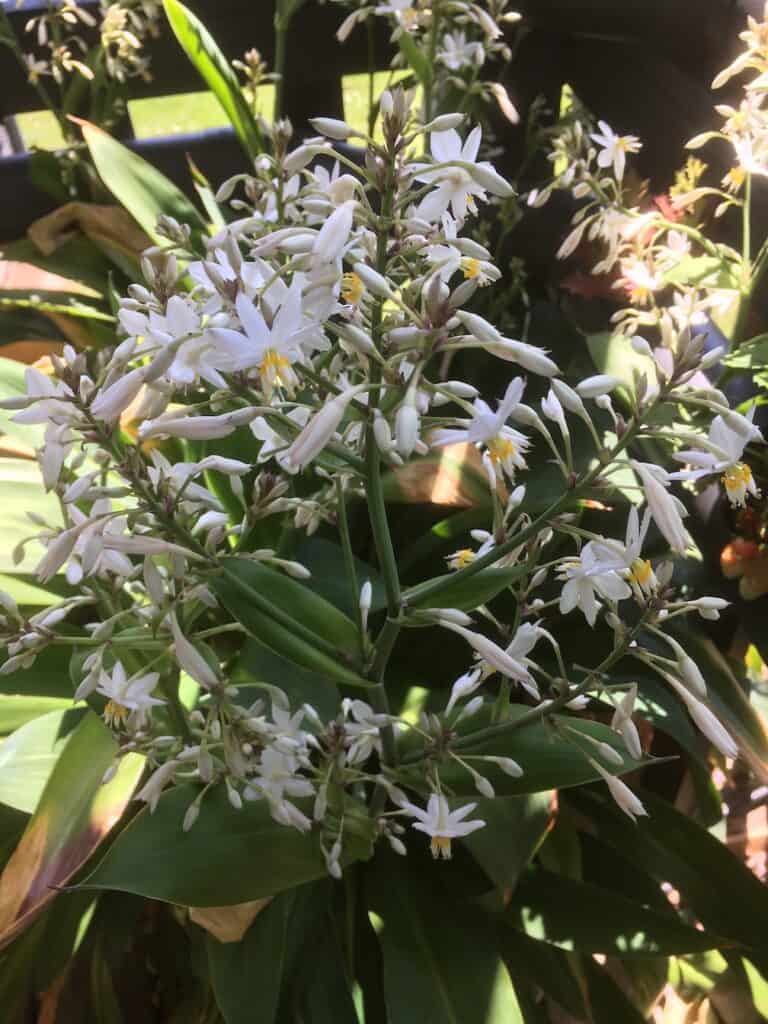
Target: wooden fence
{"points": [[644, 65]]}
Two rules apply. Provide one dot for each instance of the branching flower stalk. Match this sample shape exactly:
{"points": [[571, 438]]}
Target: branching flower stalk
{"points": [[309, 335]]}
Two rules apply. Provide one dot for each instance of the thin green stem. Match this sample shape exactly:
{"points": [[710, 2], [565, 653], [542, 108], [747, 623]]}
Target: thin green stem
{"points": [[349, 559]]}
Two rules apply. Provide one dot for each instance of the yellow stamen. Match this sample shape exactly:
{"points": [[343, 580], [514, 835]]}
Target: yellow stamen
{"points": [[115, 713], [501, 448], [271, 365], [640, 295], [470, 266], [737, 479], [734, 179], [352, 288], [461, 559], [641, 572], [441, 847]]}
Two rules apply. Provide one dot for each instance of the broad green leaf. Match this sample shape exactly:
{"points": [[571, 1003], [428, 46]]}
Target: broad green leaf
{"points": [[22, 488], [750, 355], [207, 195], [467, 594], [18, 709], [74, 813], [325, 561], [547, 762], [546, 966], [441, 963], [240, 593], [25, 593], [758, 987], [216, 71], [552, 908], [140, 187], [326, 998], [675, 849], [29, 755], [613, 354], [257, 663], [254, 965], [47, 677], [228, 856], [705, 271], [295, 598], [514, 828]]}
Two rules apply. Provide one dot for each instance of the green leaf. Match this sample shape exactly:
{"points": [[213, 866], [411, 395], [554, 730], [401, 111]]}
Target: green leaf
{"points": [[613, 354], [546, 966], [750, 355], [18, 709], [552, 908], [675, 849], [140, 187], [415, 58], [296, 599], [325, 561], [547, 762], [228, 856], [52, 302], [441, 963], [25, 593], [28, 757], [216, 71], [259, 664], [256, 964], [239, 591], [514, 828], [705, 271], [22, 489], [75, 811], [467, 594], [47, 677], [607, 1001], [758, 987]]}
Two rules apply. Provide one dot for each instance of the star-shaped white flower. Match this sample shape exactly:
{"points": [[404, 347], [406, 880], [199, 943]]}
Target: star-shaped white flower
{"points": [[441, 823]]}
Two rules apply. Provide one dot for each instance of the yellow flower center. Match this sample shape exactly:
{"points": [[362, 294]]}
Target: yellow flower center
{"points": [[441, 847], [641, 572], [640, 295], [501, 448], [737, 477], [461, 559], [734, 179], [271, 365], [115, 713], [470, 266], [352, 288]]}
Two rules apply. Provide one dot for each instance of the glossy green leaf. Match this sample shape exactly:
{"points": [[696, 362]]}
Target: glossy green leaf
{"points": [[325, 561], [24, 593], [259, 664], [75, 811], [705, 271], [441, 963], [228, 857], [47, 677], [453, 591], [295, 599], [415, 58], [18, 709], [514, 828], [552, 908], [217, 73], [140, 187], [675, 849], [237, 592], [547, 762], [29, 755], [254, 965], [22, 489], [546, 966]]}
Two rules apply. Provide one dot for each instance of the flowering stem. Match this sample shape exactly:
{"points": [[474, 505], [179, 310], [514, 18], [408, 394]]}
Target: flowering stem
{"points": [[432, 587], [349, 559]]}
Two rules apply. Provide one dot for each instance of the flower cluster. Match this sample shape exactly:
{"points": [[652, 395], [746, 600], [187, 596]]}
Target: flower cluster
{"points": [[315, 334]]}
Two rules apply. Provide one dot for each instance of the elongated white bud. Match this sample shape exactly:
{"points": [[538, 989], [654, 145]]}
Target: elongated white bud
{"points": [[190, 659], [600, 384], [373, 280], [488, 178], [333, 128], [109, 403], [406, 428], [529, 356], [319, 431], [333, 235], [444, 123], [489, 651]]}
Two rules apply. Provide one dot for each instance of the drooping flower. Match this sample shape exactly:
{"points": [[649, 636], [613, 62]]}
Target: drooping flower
{"points": [[724, 449]]}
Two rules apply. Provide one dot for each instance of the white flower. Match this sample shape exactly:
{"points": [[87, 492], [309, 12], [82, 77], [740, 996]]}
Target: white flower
{"points": [[456, 187], [496, 657], [614, 148], [724, 447], [441, 823], [487, 429], [127, 697], [155, 784], [586, 579], [626, 559], [458, 53]]}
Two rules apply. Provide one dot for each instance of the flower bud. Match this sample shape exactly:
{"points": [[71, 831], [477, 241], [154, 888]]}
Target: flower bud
{"points": [[333, 128]]}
